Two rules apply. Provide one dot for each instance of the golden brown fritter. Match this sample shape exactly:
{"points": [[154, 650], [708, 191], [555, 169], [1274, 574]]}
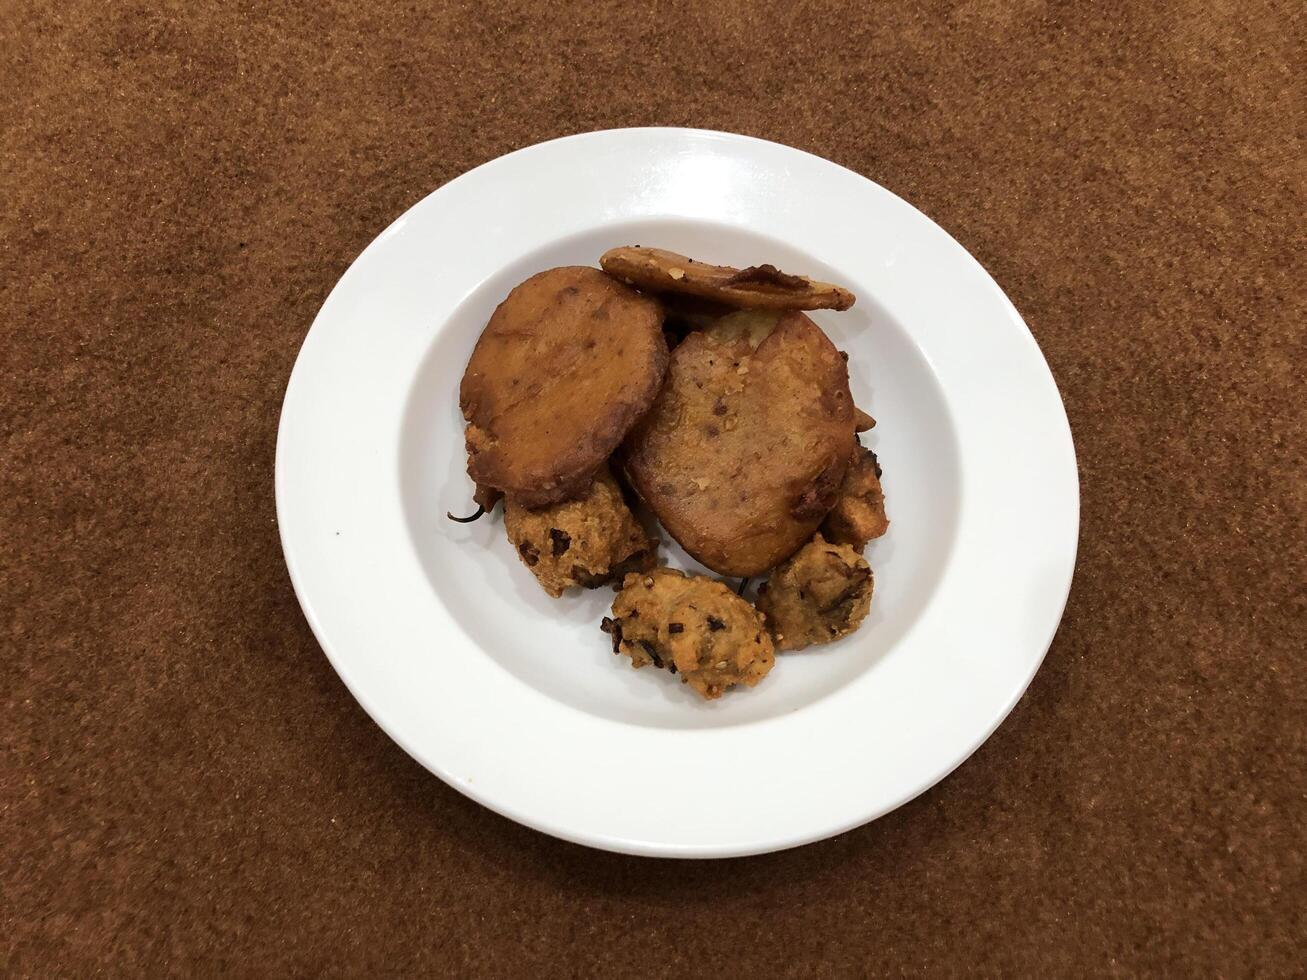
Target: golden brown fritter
{"points": [[859, 513], [757, 287], [588, 541], [743, 453], [693, 626], [822, 593], [566, 365], [862, 421]]}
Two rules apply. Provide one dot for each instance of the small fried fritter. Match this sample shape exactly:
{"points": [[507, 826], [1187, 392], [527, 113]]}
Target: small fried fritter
{"points": [[692, 626], [862, 421], [743, 453], [566, 365], [757, 287], [822, 593], [588, 541], [859, 513]]}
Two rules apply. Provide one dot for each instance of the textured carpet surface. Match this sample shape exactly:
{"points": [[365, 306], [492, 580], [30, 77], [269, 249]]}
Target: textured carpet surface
{"points": [[185, 785]]}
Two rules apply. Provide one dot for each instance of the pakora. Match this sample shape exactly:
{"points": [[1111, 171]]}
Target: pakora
{"points": [[859, 514], [588, 541], [821, 593], [691, 626], [744, 451], [569, 361]]}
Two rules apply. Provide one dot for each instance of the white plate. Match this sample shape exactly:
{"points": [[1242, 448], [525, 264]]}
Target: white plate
{"points": [[516, 699]]}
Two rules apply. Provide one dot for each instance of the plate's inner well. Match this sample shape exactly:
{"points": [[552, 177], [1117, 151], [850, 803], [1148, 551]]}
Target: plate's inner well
{"points": [[555, 645]]}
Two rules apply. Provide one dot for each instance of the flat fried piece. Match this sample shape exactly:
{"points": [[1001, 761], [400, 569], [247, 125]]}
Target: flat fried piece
{"points": [[859, 514], [566, 365], [584, 542], [758, 287], [744, 451], [692, 626], [821, 593]]}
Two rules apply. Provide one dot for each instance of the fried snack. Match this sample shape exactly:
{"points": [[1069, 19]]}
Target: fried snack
{"points": [[692, 626], [744, 451], [757, 287], [566, 365], [859, 514], [862, 421], [587, 542], [822, 593]]}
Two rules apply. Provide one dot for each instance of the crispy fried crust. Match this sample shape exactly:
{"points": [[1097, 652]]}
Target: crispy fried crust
{"points": [[566, 365], [859, 513], [821, 593], [743, 452], [587, 542], [691, 626], [757, 287]]}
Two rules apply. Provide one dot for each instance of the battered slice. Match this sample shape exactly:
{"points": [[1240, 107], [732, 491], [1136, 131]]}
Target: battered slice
{"points": [[587, 542], [692, 626], [859, 513], [819, 595], [566, 365], [757, 287], [743, 453]]}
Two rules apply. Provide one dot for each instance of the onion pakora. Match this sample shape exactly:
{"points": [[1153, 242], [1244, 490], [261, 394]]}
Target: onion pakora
{"points": [[587, 542], [859, 514], [821, 593], [693, 626]]}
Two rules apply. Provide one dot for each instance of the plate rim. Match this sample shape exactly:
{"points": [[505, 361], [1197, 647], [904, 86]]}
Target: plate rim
{"points": [[611, 842]]}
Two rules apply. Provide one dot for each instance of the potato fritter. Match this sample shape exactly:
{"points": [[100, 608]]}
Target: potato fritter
{"points": [[757, 287], [569, 361], [692, 626], [822, 593], [587, 542], [743, 453]]}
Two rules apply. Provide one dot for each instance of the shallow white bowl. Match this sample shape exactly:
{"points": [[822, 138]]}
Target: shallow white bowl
{"points": [[516, 699]]}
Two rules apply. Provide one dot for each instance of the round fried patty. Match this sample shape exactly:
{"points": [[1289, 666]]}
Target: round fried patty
{"points": [[744, 451], [566, 365]]}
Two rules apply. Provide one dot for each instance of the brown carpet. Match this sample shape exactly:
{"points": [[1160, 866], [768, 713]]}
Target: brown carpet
{"points": [[187, 787]]}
